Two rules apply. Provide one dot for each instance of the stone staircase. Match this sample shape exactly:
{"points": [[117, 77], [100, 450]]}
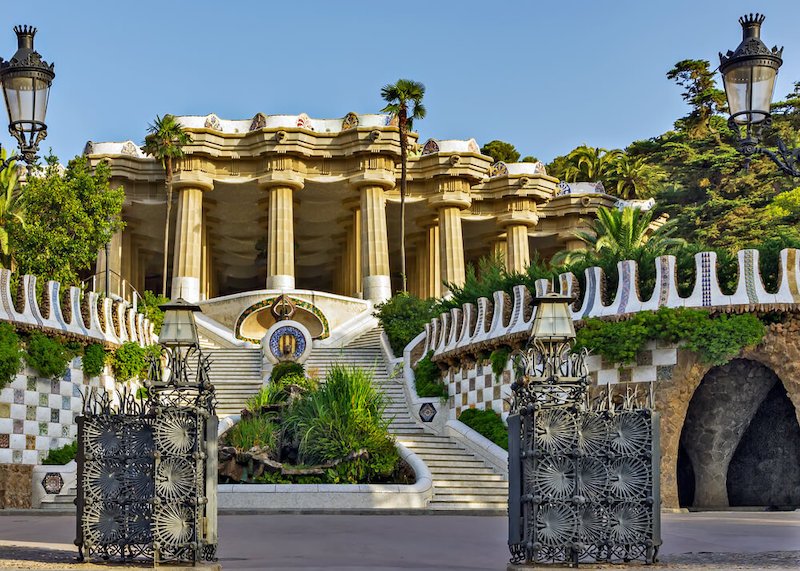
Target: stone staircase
{"points": [[462, 481], [236, 374]]}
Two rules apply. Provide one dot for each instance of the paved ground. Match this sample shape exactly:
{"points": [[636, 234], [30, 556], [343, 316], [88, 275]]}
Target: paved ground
{"points": [[383, 542]]}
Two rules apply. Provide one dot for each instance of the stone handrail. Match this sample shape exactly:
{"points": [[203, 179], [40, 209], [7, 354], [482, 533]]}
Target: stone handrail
{"points": [[83, 314], [507, 318]]}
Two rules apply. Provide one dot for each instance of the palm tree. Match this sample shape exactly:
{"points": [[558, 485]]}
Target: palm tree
{"points": [[399, 97], [634, 177], [589, 163], [624, 234], [165, 141], [12, 207]]}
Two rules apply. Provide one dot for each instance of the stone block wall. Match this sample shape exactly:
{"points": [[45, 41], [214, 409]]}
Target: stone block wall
{"points": [[15, 486]]}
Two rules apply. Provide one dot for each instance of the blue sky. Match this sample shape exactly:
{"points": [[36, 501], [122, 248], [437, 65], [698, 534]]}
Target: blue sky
{"points": [[546, 76]]}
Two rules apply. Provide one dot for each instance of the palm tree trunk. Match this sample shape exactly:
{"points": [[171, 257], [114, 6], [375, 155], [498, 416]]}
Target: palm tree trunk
{"points": [[403, 166], [168, 188]]}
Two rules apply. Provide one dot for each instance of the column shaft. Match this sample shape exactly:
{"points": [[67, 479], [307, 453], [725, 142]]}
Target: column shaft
{"points": [[280, 242], [377, 284], [451, 246], [188, 249], [114, 266], [519, 255], [432, 265]]}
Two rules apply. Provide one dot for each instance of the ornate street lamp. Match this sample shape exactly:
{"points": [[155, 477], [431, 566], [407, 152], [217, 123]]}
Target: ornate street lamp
{"points": [[749, 75], [26, 79], [179, 328]]}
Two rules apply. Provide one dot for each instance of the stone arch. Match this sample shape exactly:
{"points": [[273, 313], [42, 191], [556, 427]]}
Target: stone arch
{"points": [[779, 351]]}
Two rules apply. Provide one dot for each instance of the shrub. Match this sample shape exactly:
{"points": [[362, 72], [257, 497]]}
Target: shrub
{"points": [[716, 339], [345, 415], [403, 317], [499, 359], [149, 308], [129, 361], [260, 430], [94, 358], [49, 357], [10, 354], [285, 368], [486, 423], [61, 456], [428, 378]]}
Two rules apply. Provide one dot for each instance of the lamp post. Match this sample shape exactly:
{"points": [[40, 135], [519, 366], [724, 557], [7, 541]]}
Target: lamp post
{"points": [[26, 79], [749, 75], [179, 337]]}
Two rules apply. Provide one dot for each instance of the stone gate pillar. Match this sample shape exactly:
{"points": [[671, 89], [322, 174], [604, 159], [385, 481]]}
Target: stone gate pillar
{"points": [[188, 248], [280, 239]]}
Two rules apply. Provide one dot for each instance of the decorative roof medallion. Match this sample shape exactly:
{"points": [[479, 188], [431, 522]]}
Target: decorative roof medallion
{"points": [[538, 168], [350, 121], [259, 122], [303, 122], [282, 308], [473, 147], [212, 122], [130, 149], [498, 169], [391, 121], [563, 188], [89, 148], [431, 147], [287, 343]]}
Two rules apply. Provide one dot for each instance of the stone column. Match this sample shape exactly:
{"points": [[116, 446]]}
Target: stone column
{"points": [[376, 283], [354, 264], [280, 239], [188, 248], [500, 249], [114, 266], [430, 263], [519, 255], [451, 246]]}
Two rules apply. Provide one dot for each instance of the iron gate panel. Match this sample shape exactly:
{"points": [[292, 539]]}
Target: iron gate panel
{"points": [[583, 474]]}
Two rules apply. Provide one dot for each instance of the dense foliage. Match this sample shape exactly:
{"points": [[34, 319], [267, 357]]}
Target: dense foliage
{"points": [[10, 354], [716, 339], [285, 368], [499, 360], [94, 359], [257, 430], [486, 423], [403, 317], [76, 212], [428, 378], [12, 207], [128, 362], [48, 356], [61, 456], [149, 307]]}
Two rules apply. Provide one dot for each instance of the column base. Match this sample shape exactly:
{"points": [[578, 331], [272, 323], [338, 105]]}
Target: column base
{"points": [[280, 282], [187, 288], [377, 288]]}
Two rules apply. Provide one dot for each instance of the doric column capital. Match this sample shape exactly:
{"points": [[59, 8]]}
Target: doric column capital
{"points": [[383, 178], [460, 200], [518, 218], [274, 179], [192, 179]]}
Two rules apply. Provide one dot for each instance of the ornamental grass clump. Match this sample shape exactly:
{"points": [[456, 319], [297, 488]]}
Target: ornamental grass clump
{"points": [[343, 416], [256, 431]]}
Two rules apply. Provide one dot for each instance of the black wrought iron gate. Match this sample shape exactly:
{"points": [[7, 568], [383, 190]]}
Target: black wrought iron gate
{"points": [[583, 473]]}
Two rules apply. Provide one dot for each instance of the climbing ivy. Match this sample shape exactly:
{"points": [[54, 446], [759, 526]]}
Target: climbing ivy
{"points": [[715, 338]]}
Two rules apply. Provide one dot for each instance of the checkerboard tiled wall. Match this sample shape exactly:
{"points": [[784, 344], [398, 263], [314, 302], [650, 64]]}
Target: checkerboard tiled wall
{"points": [[475, 386], [38, 414]]}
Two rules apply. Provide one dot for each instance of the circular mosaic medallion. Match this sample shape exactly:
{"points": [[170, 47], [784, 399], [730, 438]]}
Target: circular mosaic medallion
{"points": [[288, 341]]}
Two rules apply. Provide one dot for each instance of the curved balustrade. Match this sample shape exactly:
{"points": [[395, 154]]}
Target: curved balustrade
{"points": [[504, 318], [80, 314]]}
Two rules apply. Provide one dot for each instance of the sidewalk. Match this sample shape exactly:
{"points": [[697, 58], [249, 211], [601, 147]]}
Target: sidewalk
{"points": [[711, 540]]}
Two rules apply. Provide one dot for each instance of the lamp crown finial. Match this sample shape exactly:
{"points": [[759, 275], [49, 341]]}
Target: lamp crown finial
{"points": [[25, 35]]}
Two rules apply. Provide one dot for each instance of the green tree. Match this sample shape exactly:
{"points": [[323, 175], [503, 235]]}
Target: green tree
{"points": [[585, 164], [404, 101], [77, 212], [702, 95], [623, 235], [633, 178], [500, 151], [12, 207], [530, 159], [165, 141]]}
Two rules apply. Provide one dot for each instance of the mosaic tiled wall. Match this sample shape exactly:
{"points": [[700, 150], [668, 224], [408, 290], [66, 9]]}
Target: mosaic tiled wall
{"points": [[475, 386], [38, 414]]}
